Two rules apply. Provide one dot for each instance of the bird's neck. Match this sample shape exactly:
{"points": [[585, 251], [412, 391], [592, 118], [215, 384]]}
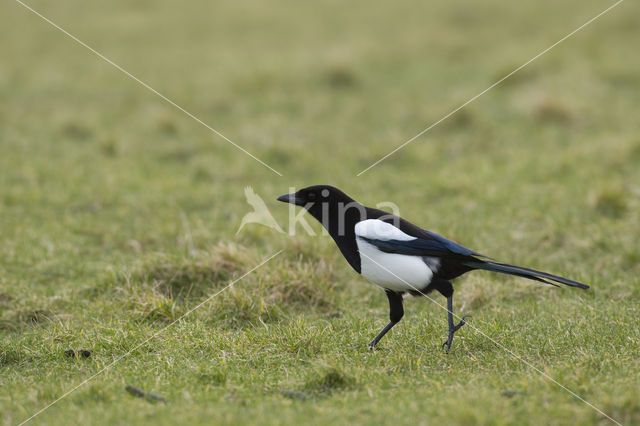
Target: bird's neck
{"points": [[340, 223]]}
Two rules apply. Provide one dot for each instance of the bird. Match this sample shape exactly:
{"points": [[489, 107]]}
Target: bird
{"points": [[400, 257], [260, 213]]}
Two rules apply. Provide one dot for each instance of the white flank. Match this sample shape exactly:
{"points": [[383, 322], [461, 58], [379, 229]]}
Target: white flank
{"points": [[397, 272]]}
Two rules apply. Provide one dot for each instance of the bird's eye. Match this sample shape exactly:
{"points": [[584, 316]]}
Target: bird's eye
{"points": [[311, 196]]}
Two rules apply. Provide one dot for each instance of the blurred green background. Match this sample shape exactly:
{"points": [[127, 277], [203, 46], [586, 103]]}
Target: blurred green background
{"points": [[119, 213]]}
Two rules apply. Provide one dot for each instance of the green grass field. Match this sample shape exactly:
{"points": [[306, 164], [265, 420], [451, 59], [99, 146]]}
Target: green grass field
{"points": [[118, 213]]}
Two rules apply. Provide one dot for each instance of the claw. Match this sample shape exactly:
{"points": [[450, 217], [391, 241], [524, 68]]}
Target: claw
{"points": [[447, 344], [461, 323], [373, 347]]}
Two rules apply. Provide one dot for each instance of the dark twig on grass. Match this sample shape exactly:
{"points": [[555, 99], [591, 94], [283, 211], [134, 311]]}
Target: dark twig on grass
{"points": [[149, 396], [512, 393], [292, 394]]}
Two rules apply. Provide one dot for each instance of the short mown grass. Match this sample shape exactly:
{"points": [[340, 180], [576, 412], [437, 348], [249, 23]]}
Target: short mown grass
{"points": [[118, 214]]}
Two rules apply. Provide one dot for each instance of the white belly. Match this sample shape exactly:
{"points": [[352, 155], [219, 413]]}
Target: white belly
{"points": [[397, 272]]}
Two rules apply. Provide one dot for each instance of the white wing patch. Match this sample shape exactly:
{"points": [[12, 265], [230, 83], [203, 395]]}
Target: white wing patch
{"points": [[379, 230], [393, 271]]}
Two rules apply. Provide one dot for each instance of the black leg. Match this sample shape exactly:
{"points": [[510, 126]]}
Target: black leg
{"points": [[452, 328], [396, 312]]}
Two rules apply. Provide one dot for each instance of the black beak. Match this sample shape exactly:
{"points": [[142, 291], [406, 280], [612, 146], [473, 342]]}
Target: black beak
{"points": [[291, 199]]}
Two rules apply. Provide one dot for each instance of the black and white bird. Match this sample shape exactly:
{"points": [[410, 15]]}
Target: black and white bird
{"points": [[399, 256]]}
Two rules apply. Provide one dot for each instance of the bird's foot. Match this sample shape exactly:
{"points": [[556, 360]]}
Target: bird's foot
{"points": [[372, 346], [461, 323], [447, 344]]}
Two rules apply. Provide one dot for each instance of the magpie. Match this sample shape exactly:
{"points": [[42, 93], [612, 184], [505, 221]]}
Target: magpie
{"points": [[399, 256]]}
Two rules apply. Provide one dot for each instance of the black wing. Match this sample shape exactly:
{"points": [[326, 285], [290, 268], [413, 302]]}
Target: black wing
{"points": [[421, 247], [426, 243]]}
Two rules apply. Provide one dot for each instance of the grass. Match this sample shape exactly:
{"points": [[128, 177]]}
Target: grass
{"points": [[119, 212]]}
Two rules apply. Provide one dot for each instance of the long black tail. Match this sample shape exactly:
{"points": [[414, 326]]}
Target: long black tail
{"points": [[519, 271]]}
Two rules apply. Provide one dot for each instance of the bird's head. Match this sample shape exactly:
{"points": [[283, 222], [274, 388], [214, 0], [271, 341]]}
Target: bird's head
{"points": [[336, 211], [314, 195], [321, 201]]}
